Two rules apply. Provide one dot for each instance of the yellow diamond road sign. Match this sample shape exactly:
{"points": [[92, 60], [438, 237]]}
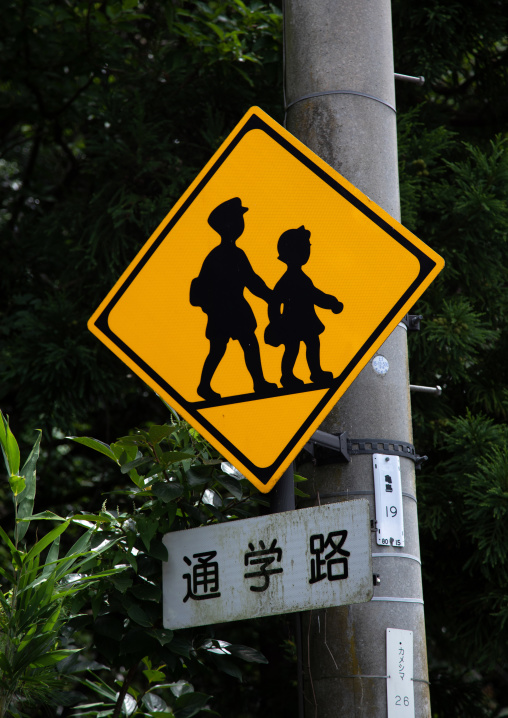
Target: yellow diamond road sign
{"points": [[262, 295]]}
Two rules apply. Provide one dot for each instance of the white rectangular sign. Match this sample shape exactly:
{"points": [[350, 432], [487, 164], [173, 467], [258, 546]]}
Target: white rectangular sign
{"points": [[388, 492], [399, 669], [292, 561]]}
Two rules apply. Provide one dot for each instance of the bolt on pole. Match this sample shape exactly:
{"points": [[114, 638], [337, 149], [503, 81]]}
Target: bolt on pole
{"points": [[340, 99]]}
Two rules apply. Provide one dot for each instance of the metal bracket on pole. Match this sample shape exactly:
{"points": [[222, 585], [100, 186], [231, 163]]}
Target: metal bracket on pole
{"points": [[332, 448], [426, 389], [337, 448], [412, 322], [410, 78]]}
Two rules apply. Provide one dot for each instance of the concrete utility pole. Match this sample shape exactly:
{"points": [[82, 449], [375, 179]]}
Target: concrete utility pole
{"points": [[341, 103]]}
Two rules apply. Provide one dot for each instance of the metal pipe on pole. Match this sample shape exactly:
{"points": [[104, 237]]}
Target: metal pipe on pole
{"points": [[340, 99]]}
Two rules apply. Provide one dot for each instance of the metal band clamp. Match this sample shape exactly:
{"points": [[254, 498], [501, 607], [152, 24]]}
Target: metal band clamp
{"points": [[335, 448]]}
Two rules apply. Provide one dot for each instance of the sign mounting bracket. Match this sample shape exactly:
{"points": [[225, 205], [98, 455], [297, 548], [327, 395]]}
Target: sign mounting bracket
{"points": [[328, 448]]}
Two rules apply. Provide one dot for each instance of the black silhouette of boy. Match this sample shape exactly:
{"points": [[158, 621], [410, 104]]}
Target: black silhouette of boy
{"points": [[293, 318], [218, 290]]}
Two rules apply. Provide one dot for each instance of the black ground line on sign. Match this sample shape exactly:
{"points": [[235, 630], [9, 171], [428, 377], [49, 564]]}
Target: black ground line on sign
{"points": [[251, 396]]}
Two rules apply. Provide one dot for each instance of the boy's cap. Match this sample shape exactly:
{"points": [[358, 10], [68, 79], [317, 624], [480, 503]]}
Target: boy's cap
{"points": [[221, 216]]}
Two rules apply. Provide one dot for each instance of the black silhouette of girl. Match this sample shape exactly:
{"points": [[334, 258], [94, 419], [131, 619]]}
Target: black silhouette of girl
{"points": [[218, 290], [291, 312]]}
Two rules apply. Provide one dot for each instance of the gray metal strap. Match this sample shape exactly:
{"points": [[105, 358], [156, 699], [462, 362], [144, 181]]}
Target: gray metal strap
{"points": [[339, 92], [397, 599], [391, 554], [358, 675], [357, 493]]}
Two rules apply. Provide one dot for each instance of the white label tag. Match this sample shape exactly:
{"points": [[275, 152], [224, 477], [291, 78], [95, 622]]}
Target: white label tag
{"points": [[399, 669], [388, 492]]}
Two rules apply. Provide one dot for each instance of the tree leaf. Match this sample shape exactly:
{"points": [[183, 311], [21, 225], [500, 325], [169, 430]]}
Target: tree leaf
{"points": [[80, 546], [147, 592], [154, 702], [7, 540], [95, 444], [109, 625], [138, 642], [302, 494], [10, 448], [163, 635], [27, 497], [147, 528], [139, 461], [199, 475], [171, 457], [95, 518], [181, 645], [226, 665], [157, 433], [234, 487], [53, 657], [189, 704], [158, 550], [17, 484], [180, 688], [152, 675], [132, 440], [167, 490], [136, 613], [52, 557], [247, 654], [44, 515], [99, 687], [46, 540], [122, 582]]}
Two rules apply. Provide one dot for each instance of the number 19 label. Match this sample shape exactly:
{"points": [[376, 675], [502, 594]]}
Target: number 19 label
{"points": [[388, 493]]}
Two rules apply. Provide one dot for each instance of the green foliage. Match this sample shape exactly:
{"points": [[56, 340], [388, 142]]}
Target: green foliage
{"points": [[109, 110], [463, 213], [458, 695], [105, 591], [466, 515], [454, 185], [36, 593], [176, 483], [461, 50], [454, 188]]}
